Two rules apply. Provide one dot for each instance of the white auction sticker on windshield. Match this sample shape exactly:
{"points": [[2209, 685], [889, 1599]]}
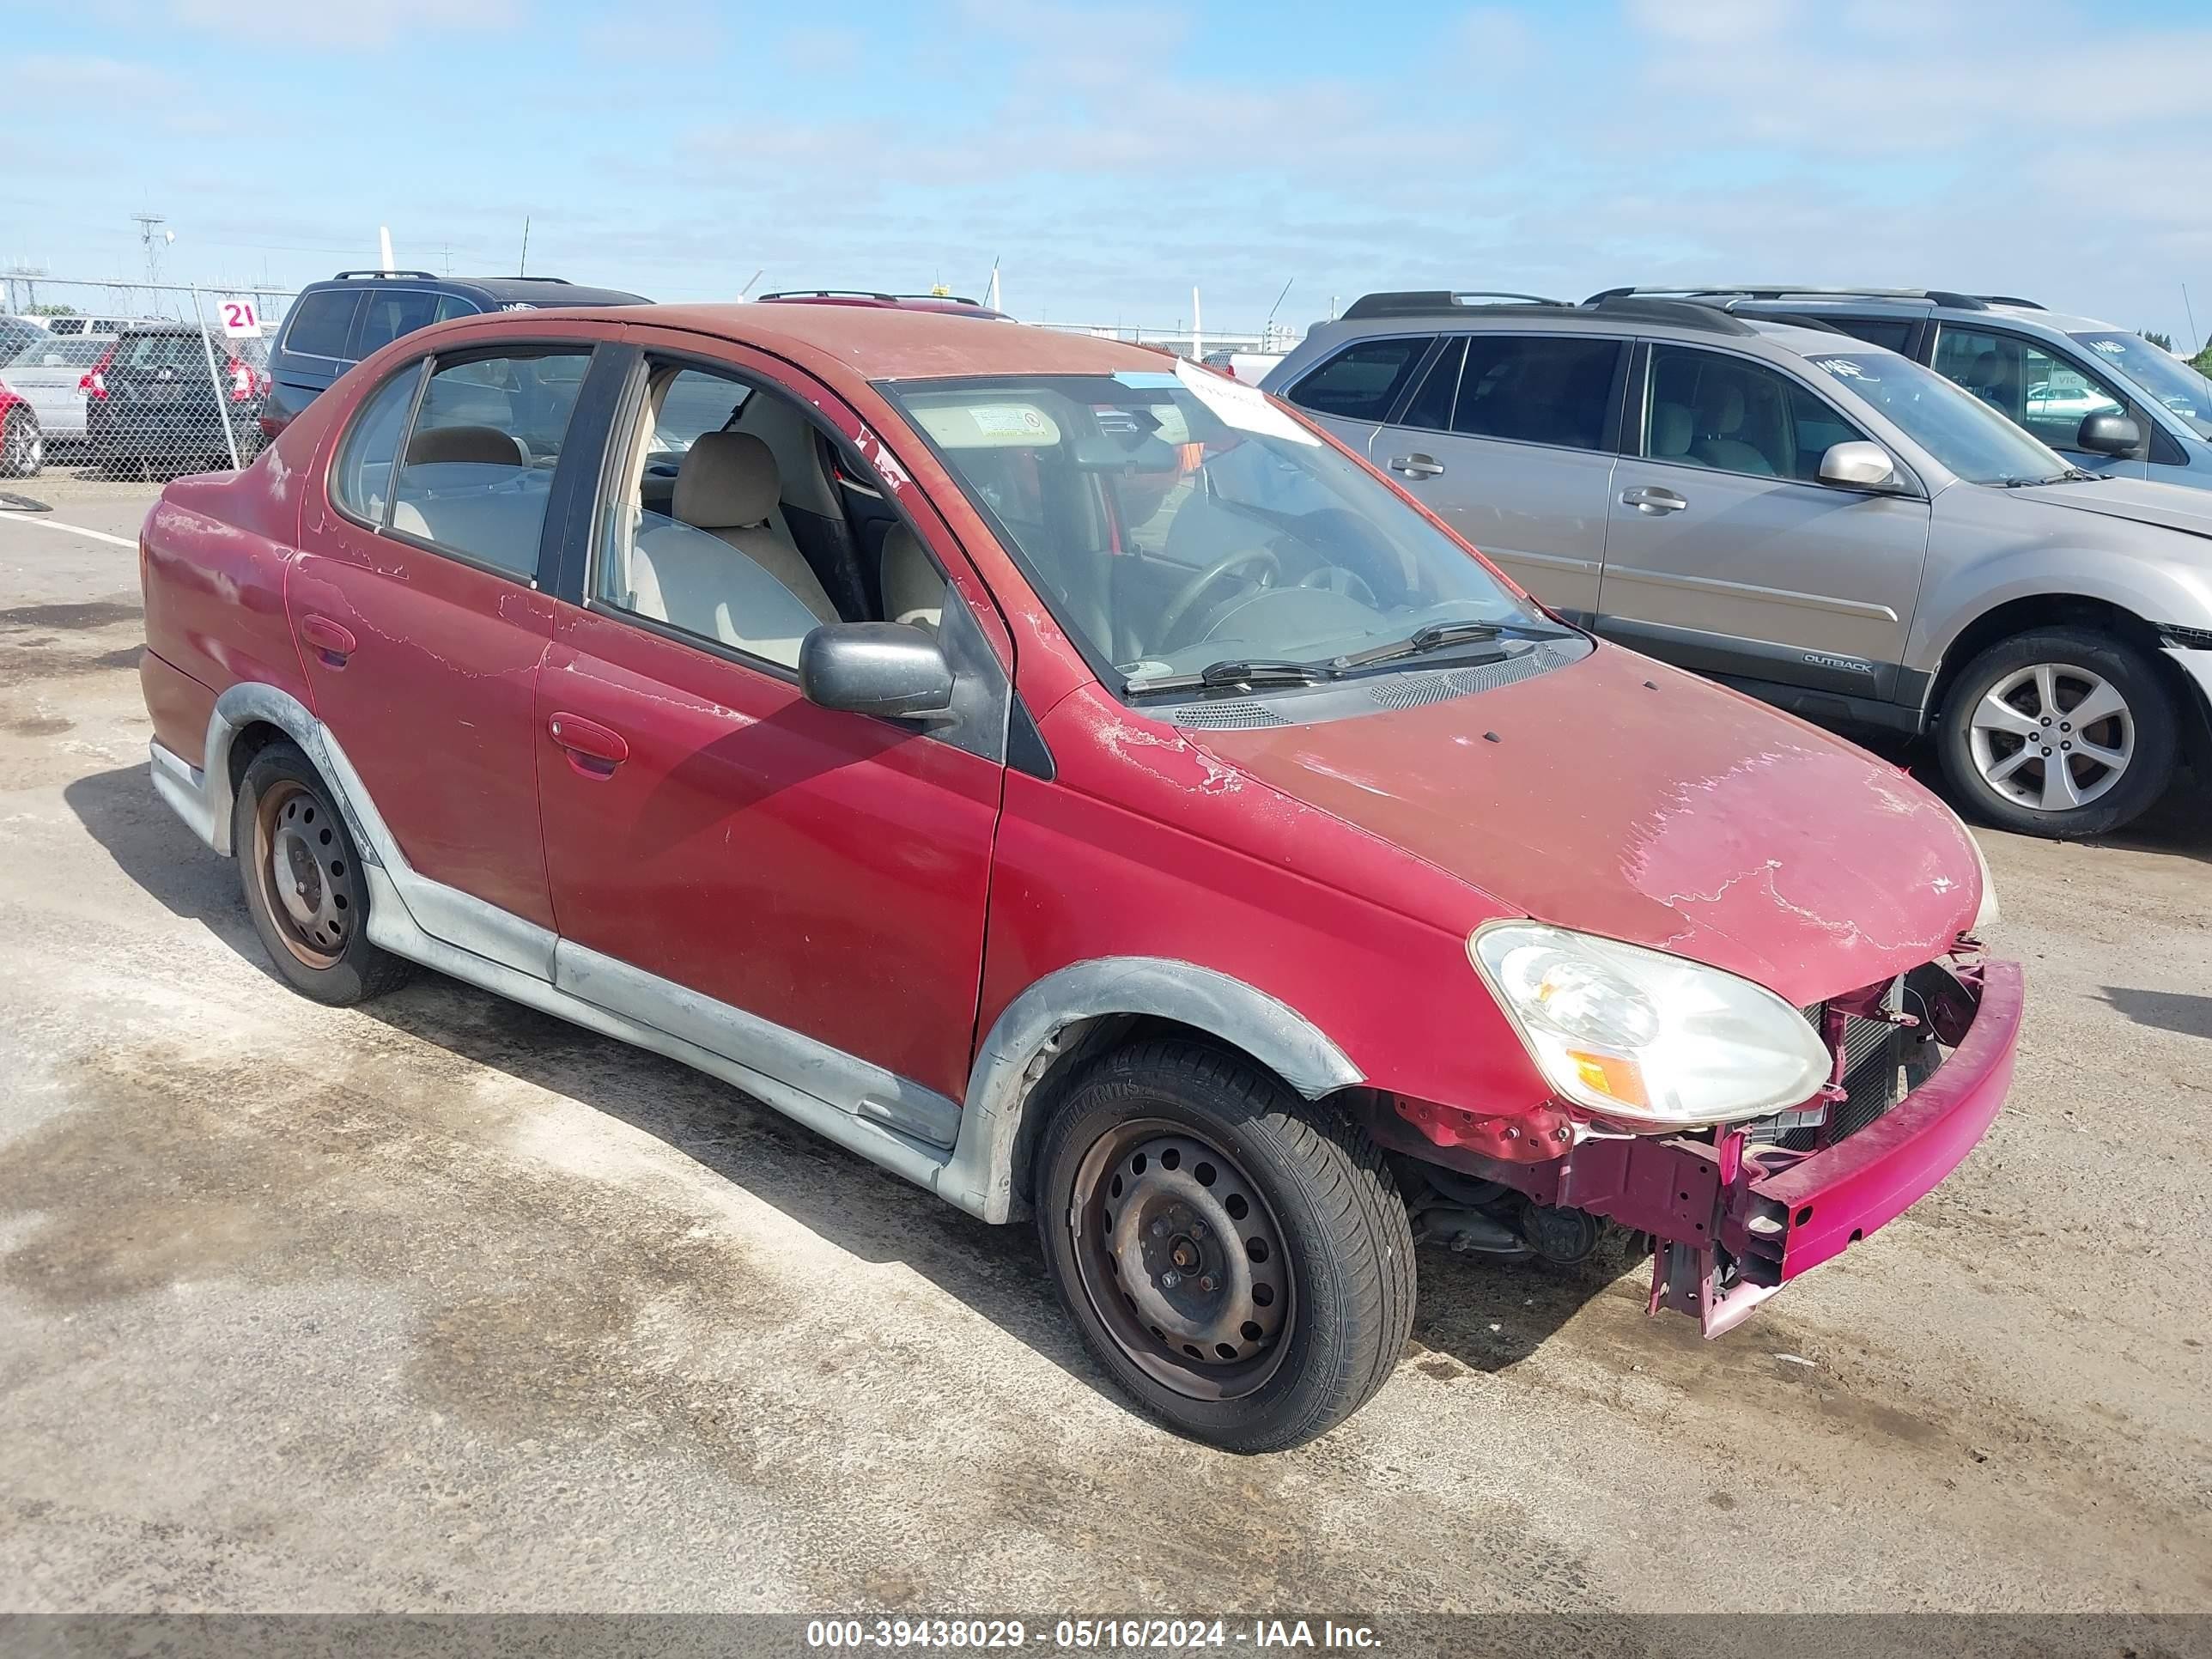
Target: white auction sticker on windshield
{"points": [[1241, 406]]}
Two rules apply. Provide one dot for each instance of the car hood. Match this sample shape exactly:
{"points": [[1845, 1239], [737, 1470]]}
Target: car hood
{"points": [[1620, 797], [2135, 499]]}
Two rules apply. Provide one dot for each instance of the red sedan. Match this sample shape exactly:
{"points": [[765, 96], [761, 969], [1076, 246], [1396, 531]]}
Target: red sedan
{"points": [[1070, 780]]}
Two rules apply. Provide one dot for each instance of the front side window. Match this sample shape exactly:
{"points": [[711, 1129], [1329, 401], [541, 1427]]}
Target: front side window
{"points": [[1361, 382], [361, 481], [1707, 409], [479, 464], [1177, 522], [694, 535], [1537, 390], [319, 322], [1963, 434], [2161, 374], [2049, 395]]}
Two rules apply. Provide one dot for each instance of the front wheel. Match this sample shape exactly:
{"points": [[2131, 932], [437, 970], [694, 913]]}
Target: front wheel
{"points": [[22, 446], [2062, 732], [1238, 1260]]}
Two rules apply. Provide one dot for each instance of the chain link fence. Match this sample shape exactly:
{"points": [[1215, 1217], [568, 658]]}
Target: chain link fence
{"points": [[132, 380]]}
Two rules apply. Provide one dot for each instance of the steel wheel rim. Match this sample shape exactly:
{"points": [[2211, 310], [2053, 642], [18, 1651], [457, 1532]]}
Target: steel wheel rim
{"points": [[299, 860], [1183, 1260], [2053, 737]]}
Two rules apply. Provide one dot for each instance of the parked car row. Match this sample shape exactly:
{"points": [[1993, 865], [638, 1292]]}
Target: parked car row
{"points": [[1795, 493], [1064, 777]]}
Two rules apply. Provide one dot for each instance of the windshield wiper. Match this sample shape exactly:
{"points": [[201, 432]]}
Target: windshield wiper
{"points": [[2071, 475], [1432, 637], [1236, 673]]}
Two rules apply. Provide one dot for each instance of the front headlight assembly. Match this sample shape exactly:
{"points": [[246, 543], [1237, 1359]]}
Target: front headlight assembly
{"points": [[1649, 1041]]}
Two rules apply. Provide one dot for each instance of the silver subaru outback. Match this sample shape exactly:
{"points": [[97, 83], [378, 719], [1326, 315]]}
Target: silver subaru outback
{"points": [[1817, 520]]}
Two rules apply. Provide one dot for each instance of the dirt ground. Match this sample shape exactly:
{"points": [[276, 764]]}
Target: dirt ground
{"points": [[442, 1305]]}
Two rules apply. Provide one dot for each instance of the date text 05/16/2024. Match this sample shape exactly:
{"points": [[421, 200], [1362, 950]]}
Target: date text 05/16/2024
{"points": [[1091, 1635]]}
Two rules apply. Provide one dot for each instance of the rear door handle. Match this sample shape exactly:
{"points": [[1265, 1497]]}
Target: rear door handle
{"points": [[1653, 499], [1417, 467], [593, 749], [334, 640]]}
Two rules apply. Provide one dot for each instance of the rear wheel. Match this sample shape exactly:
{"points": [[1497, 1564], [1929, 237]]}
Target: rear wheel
{"points": [[303, 884], [2062, 732], [22, 446], [1238, 1260]]}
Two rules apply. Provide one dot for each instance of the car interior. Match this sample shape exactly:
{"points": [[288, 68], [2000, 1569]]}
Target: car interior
{"points": [[740, 521]]}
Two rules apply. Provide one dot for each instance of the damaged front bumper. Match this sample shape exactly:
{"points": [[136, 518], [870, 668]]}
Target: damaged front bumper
{"points": [[1732, 1220]]}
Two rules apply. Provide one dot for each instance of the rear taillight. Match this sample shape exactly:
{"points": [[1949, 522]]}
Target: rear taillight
{"points": [[95, 384], [242, 380]]}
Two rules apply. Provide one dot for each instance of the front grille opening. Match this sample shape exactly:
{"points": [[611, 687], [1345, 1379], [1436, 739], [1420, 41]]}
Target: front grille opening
{"points": [[1883, 1062]]}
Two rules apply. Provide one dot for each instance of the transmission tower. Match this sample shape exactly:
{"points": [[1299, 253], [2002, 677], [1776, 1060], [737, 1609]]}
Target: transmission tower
{"points": [[153, 238]]}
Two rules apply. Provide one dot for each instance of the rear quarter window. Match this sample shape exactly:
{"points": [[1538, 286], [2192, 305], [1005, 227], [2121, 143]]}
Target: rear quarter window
{"points": [[319, 323]]}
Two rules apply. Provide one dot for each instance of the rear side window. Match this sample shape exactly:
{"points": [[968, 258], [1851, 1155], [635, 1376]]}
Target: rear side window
{"points": [[319, 322], [361, 482], [1362, 381], [478, 462], [1537, 390], [1892, 336], [390, 312]]}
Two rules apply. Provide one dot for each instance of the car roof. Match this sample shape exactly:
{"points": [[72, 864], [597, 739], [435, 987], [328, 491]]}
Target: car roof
{"points": [[895, 343], [504, 290]]}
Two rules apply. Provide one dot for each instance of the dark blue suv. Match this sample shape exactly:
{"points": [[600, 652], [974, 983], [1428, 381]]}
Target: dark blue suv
{"points": [[332, 326]]}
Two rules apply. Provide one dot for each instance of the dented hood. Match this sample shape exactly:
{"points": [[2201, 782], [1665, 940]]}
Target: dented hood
{"points": [[1672, 814]]}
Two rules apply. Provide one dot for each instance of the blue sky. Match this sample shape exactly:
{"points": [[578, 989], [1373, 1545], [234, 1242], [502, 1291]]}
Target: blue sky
{"points": [[1111, 158]]}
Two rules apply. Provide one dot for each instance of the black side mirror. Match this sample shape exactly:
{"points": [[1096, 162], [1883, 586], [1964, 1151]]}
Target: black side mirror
{"points": [[2108, 433], [892, 670]]}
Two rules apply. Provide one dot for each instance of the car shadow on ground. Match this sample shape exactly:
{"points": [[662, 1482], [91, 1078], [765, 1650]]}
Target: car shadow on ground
{"points": [[2181, 1012], [1484, 1313]]}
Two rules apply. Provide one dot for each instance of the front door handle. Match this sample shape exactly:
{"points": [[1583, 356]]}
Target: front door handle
{"points": [[1653, 499], [593, 749], [333, 640], [1417, 467]]}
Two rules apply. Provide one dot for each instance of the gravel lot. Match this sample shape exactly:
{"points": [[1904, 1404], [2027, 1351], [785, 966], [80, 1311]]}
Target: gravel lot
{"points": [[440, 1304]]}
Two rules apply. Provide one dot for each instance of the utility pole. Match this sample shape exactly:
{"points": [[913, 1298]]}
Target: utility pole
{"points": [[149, 224]]}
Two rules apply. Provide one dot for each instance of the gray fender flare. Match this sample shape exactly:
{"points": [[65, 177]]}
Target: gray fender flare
{"points": [[979, 1175], [251, 702]]}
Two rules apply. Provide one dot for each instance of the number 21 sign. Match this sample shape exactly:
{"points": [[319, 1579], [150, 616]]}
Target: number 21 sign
{"points": [[240, 319]]}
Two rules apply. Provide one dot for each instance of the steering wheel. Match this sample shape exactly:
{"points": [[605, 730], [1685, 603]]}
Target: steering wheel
{"points": [[1335, 579], [1188, 596]]}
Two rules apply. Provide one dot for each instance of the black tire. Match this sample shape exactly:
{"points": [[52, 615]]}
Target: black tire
{"points": [[284, 815], [2080, 656], [1326, 1217], [22, 452]]}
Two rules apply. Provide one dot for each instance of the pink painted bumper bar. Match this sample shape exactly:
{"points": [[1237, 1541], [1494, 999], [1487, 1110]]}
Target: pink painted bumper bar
{"points": [[1838, 1196]]}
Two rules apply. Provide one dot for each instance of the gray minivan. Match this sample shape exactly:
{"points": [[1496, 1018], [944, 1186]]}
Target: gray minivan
{"points": [[331, 326], [1815, 520]]}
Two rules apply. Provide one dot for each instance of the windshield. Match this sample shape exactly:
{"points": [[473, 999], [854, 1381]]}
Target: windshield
{"points": [[1178, 520], [2161, 374], [1965, 434]]}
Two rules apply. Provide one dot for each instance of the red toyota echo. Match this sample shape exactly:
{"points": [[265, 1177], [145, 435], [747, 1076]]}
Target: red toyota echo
{"points": [[1070, 780]]}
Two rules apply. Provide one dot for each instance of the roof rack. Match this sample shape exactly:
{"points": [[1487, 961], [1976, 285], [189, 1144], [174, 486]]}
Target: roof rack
{"points": [[346, 276], [2013, 299], [1426, 302], [865, 294], [1711, 291], [1673, 313]]}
